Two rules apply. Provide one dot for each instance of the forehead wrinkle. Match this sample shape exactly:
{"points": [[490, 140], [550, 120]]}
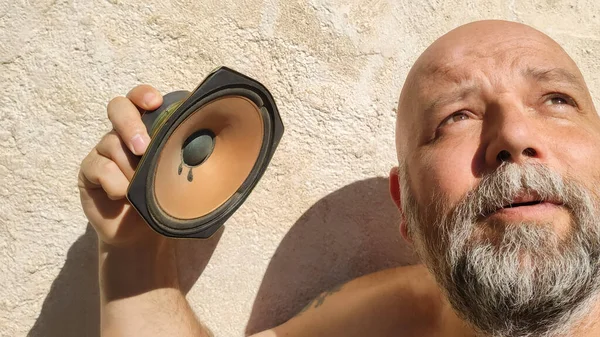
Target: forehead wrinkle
{"points": [[442, 69], [447, 82], [559, 75], [460, 92]]}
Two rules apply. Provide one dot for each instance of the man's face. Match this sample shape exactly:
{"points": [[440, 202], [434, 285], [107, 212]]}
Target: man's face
{"points": [[499, 142], [501, 99]]}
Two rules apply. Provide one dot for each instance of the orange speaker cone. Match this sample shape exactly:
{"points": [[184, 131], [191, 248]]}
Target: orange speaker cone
{"points": [[187, 191]]}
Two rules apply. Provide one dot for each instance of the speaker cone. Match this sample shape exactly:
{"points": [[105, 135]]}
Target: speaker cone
{"points": [[208, 150]]}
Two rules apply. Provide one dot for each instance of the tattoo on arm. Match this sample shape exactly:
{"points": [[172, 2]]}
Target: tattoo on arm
{"points": [[319, 300]]}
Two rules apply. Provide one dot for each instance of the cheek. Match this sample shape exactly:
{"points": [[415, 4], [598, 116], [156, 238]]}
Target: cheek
{"points": [[580, 156], [445, 172]]}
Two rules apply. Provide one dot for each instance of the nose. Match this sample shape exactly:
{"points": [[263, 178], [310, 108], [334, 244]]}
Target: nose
{"points": [[511, 136]]}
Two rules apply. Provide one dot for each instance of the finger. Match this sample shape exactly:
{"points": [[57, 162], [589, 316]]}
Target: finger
{"points": [[145, 97], [82, 181], [101, 171], [127, 121], [112, 147]]}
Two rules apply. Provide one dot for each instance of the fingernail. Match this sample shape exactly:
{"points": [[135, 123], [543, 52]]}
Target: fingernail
{"points": [[149, 98], [139, 144]]}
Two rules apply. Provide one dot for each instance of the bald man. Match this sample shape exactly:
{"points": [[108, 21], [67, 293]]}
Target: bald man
{"points": [[498, 150]]}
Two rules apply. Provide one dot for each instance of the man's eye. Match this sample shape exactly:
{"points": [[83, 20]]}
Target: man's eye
{"points": [[560, 100], [455, 117]]}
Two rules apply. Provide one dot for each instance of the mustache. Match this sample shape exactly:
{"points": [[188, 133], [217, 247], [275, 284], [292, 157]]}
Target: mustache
{"points": [[511, 183]]}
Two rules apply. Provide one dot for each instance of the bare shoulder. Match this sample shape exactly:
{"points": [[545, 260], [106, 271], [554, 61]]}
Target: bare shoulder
{"points": [[401, 301]]}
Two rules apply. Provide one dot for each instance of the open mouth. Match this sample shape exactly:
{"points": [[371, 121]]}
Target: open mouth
{"points": [[519, 204], [527, 199]]}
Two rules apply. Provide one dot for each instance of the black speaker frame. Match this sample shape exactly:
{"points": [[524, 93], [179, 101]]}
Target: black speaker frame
{"points": [[221, 82]]}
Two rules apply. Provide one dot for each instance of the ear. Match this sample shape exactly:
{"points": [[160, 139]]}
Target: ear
{"points": [[395, 187], [395, 194]]}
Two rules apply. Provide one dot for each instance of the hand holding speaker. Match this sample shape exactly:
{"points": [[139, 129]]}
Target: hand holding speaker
{"points": [[205, 151], [107, 170]]}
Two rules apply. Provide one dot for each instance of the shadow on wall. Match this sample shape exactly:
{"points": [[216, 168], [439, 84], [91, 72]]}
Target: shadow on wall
{"points": [[349, 233], [72, 307]]}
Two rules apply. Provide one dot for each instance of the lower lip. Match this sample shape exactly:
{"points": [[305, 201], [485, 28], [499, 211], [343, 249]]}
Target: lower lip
{"points": [[537, 211]]}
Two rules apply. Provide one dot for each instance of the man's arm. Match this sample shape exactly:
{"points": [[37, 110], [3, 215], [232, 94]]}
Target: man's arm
{"points": [[139, 289], [141, 297], [393, 302], [140, 293]]}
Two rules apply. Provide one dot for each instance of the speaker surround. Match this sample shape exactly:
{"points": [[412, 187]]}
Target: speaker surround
{"points": [[208, 150]]}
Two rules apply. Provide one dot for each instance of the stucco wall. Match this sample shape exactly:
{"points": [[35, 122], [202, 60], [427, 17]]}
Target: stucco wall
{"points": [[320, 215]]}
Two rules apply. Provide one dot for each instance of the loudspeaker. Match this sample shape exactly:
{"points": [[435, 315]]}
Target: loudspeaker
{"points": [[208, 150]]}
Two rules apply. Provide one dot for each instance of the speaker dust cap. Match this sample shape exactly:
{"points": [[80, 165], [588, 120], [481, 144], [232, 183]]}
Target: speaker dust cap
{"points": [[208, 150]]}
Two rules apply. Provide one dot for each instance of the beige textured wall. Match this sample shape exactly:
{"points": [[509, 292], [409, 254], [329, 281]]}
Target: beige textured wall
{"points": [[321, 214]]}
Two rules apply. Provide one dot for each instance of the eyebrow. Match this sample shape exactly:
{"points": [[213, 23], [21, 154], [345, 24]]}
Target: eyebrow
{"points": [[554, 75], [450, 97]]}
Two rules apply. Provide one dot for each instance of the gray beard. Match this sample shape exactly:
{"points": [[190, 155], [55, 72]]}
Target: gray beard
{"points": [[520, 279]]}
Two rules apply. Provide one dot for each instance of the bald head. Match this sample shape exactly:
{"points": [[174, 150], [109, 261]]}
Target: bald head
{"points": [[491, 39]]}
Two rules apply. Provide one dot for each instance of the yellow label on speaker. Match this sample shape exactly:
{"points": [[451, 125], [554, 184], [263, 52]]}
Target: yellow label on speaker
{"points": [[162, 118]]}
